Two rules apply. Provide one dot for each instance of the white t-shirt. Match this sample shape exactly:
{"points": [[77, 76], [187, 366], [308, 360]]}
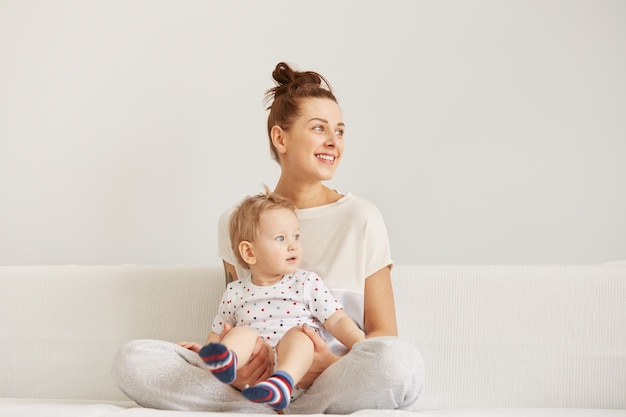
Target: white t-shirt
{"points": [[343, 242]]}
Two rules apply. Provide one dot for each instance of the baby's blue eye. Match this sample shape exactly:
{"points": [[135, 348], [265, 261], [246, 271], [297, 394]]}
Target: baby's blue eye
{"points": [[280, 238], [296, 237]]}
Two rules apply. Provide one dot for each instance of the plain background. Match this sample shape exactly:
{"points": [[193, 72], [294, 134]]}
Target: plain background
{"points": [[485, 131]]}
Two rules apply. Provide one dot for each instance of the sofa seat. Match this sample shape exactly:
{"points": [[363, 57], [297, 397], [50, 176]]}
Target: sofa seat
{"points": [[66, 408]]}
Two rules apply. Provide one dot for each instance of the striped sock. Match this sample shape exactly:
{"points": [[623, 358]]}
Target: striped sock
{"points": [[221, 361], [274, 391]]}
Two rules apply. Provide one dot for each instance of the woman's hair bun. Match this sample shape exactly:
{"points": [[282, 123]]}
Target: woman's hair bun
{"points": [[284, 75]]}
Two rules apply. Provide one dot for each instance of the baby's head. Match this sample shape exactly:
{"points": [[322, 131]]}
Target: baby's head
{"points": [[265, 232]]}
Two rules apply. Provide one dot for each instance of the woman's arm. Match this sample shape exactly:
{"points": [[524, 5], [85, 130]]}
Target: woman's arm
{"points": [[379, 315], [230, 273]]}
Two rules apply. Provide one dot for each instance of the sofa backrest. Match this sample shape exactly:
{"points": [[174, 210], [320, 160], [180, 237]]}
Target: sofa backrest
{"points": [[60, 326], [491, 336], [517, 336]]}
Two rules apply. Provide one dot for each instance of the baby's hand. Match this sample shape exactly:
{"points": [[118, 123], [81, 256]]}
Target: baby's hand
{"points": [[195, 347]]}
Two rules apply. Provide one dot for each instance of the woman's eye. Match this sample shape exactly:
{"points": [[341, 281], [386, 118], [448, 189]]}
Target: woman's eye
{"points": [[339, 132], [318, 128]]}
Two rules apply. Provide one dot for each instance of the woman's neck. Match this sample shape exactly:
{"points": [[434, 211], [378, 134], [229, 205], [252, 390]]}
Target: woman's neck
{"points": [[307, 196]]}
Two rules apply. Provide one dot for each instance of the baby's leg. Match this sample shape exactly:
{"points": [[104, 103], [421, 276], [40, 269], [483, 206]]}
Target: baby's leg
{"points": [[222, 358], [295, 356], [295, 353]]}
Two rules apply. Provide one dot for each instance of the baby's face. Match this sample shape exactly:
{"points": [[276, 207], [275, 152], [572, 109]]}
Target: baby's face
{"points": [[277, 248]]}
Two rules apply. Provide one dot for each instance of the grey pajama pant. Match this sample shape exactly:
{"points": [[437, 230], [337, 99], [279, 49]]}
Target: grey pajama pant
{"points": [[378, 373]]}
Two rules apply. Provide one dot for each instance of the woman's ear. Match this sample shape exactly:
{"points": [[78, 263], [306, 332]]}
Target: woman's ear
{"points": [[247, 252], [278, 138]]}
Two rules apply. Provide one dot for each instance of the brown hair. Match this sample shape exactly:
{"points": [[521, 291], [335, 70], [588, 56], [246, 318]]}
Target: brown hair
{"points": [[245, 220], [291, 87]]}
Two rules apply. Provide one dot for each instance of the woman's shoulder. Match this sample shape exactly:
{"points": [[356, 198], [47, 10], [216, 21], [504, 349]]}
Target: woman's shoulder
{"points": [[223, 226], [225, 216], [358, 206], [356, 200], [348, 205]]}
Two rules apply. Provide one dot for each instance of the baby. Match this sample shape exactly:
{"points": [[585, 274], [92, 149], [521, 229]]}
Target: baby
{"points": [[273, 302]]}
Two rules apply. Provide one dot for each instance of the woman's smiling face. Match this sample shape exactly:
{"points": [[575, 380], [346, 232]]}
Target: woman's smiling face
{"points": [[314, 142]]}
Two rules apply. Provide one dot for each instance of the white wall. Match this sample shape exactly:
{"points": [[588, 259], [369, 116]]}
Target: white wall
{"points": [[486, 131]]}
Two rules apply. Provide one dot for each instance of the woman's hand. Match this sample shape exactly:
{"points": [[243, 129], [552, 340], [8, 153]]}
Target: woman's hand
{"points": [[195, 347], [258, 368], [322, 358]]}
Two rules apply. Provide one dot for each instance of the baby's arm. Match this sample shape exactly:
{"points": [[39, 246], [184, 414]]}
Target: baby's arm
{"points": [[344, 329]]}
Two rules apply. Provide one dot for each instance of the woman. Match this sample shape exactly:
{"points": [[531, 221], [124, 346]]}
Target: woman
{"points": [[345, 242]]}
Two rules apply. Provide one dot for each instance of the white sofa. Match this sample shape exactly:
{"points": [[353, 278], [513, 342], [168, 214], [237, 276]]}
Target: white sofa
{"points": [[496, 340]]}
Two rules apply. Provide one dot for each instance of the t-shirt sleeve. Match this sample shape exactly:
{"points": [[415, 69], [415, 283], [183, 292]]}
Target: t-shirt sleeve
{"points": [[322, 302], [377, 249], [224, 250]]}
